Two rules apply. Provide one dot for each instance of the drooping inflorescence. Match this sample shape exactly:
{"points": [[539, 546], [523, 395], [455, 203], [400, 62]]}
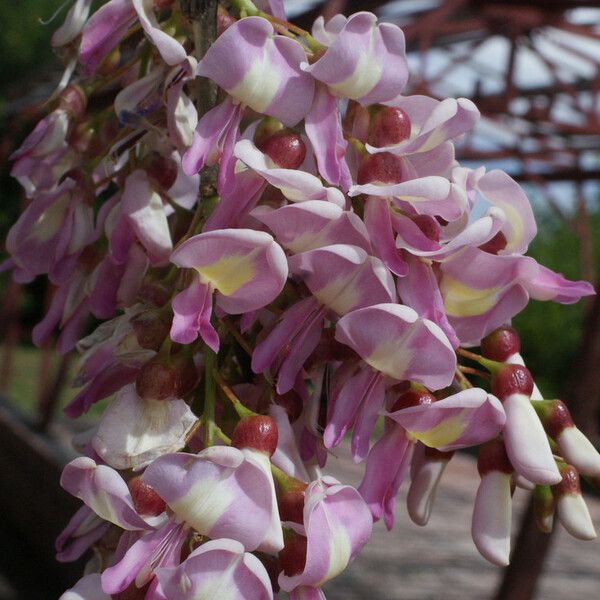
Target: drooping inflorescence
{"points": [[272, 276]]}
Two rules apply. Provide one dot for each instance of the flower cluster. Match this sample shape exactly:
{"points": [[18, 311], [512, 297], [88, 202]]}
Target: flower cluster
{"points": [[303, 260]]}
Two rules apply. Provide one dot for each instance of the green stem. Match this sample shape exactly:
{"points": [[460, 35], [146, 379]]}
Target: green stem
{"points": [[246, 8]]}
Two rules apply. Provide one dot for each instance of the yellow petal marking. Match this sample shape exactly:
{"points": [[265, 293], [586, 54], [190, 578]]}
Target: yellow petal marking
{"points": [[463, 301], [229, 273], [444, 433]]}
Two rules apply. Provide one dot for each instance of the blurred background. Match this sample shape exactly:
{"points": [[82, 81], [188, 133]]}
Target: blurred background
{"points": [[532, 69]]}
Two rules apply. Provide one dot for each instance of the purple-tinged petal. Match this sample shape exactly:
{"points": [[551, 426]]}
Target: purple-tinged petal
{"points": [[211, 131], [324, 130], [468, 418], [344, 277], [145, 210], [392, 339], [217, 569], [192, 309], [260, 70], [386, 467], [48, 135], [171, 51], [138, 98], [545, 284], [73, 24], [379, 224], [214, 492], [87, 588], [431, 195], [287, 455], [491, 523], [365, 62], [290, 343], [83, 530], [103, 31], [133, 432], [338, 524], [295, 185], [307, 593], [420, 290], [526, 442], [499, 189], [313, 224], [104, 491], [247, 268], [326, 32]]}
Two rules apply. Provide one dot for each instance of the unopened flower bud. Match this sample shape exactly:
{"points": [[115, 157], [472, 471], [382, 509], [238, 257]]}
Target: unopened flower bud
{"points": [[73, 100], [511, 379], [290, 495], [161, 379], [293, 556], [543, 507], [416, 396], [570, 506], [497, 243], [224, 20], [256, 431], [272, 567], [151, 328], [145, 499], [383, 167], [492, 457], [389, 125], [283, 146], [572, 444], [501, 344], [162, 170]]}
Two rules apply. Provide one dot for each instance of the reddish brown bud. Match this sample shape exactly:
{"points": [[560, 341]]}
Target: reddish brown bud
{"points": [[163, 4], [293, 556], [272, 567], [145, 499], [285, 148], [380, 168], [151, 328], [493, 246], [511, 379], [256, 431], [433, 454], [501, 344], [569, 485], [161, 379], [414, 397], [292, 403], [162, 170], [428, 225], [389, 125], [492, 457], [556, 418], [291, 502], [73, 100]]}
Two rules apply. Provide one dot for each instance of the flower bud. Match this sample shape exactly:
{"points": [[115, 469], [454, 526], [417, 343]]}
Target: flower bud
{"points": [[389, 125], [543, 507], [501, 344], [145, 499], [224, 20], [292, 402], [511, 379], [572, 444], [284, 147], [256, 431], [570, 506], [162, 170], [161, 379], [151, 328], [416, 396], [383, 167], [492, 457], [290, 495], [293, 556], [497, 243]]}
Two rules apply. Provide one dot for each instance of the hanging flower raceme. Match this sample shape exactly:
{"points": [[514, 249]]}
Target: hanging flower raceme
{"points": [[275, 263]]}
